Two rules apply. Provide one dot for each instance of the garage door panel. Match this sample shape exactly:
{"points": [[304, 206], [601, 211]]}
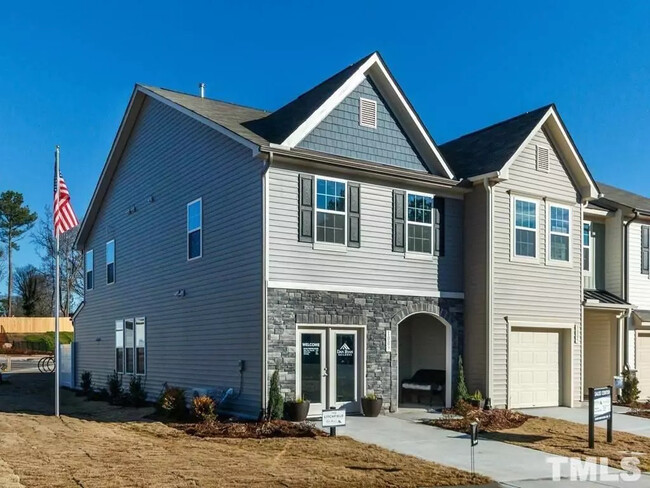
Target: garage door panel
{"points": [[534, 368], [643, 363]]}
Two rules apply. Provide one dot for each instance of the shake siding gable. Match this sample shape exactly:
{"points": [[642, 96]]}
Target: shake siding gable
{"points": [[340, 133], [196, 340], [537, 292], [373, 264]]}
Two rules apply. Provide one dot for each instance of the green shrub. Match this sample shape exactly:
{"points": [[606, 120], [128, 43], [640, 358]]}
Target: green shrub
{"points": [[630, 392], [204, 408], [86, 382], [275, 409], [114, 387], [462, 394], [171, 403], [137, 394], [370, 396]]}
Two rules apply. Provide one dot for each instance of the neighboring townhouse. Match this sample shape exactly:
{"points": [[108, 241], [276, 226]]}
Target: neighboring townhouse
{"points": [[333, 241], [620, 242], [523, 259], [322, 240]]}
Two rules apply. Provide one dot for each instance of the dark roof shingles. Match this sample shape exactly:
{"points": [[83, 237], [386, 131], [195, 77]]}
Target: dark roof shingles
{"points": [[623, 197], [603, 296]]}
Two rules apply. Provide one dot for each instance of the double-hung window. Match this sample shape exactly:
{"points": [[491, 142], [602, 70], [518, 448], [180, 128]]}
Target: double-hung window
{"points": [[586, 248], [331, 214], [119, 346], [419, 232], [128, 345], [90, 263], [195, 229], [110, 262], [645, 249], [525, 228], [559, 236], [140, 344]]}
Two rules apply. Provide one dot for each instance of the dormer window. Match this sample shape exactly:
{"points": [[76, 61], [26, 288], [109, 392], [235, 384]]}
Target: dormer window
{"points": [[367, 113]]}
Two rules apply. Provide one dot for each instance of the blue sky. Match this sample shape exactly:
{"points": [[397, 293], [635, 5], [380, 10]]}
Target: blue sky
{"points": [[67, 70]]}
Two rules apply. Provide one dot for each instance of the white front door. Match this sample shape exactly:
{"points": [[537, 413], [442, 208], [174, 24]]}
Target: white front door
{"points": [[328, 367], [643, 364]]}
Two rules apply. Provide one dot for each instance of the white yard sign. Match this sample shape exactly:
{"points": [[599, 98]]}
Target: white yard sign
{"points": [[333, 418]]}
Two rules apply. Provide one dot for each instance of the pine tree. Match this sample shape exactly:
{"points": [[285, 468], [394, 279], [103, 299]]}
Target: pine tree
{"points": [[461, 387], [275, 408]]}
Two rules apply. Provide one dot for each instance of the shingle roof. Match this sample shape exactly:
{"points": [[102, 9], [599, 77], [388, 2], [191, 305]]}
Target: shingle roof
{"points": [[604, 297], [644, 315], [623, 197], [489, 149]]}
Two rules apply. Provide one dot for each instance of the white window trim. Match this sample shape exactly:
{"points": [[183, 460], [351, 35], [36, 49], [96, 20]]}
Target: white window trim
{"points": [[92, 261], [513, 227], [549, 260], [323, 245], [135, 347], [590, 271], [107, 263], [199, 228], [416, 254], [368, 100]]}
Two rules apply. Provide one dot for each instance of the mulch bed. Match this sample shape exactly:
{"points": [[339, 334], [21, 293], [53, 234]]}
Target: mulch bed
{"points": [[640, 410], [250, 430], [488, 420]]}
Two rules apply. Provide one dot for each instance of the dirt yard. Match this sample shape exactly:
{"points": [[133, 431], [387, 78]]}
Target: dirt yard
{"points": [[96, 445]]}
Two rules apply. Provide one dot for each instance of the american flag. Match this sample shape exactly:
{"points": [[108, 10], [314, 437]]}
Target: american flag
{"points": [[64, 217]]}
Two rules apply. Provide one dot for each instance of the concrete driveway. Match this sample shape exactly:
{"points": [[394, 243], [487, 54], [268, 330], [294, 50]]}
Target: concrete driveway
{"points": [[580, 415], [511, 466]]}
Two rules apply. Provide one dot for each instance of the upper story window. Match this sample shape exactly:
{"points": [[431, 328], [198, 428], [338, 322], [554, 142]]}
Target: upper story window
{"points": [[586, 248], [330, 211], [525, 228], [110, 262], [645, 249], [559, 225], [195, 229], [90, 263], [419, 223]]}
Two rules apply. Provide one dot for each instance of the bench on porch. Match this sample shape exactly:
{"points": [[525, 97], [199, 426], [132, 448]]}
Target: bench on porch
{"points": [[428, 382]]}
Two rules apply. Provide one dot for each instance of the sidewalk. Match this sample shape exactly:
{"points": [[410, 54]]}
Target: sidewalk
{"points": [[512, 466]]}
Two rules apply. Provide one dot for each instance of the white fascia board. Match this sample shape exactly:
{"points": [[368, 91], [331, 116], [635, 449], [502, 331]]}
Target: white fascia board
{"points": [[200, 118], [348, 87]]}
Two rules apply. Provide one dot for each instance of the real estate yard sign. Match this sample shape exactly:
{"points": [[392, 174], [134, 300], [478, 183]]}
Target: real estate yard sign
{"points": [[600, 408]]}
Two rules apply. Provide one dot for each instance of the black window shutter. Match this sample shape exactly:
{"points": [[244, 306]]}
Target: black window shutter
{"points": [[306, 208], [438, 226], [354, 215], [399, 218], [645, 249]]}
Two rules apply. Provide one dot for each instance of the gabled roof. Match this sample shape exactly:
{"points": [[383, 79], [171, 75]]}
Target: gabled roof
{"points": [[642, 317], [492, 150], [618, 196]]}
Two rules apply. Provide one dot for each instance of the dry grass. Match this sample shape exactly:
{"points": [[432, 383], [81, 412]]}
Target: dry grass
{"points": [[85, 450]]}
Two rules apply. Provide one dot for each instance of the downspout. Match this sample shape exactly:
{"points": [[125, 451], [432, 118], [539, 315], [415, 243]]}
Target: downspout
{"points": [[265, 234], [626, 287], [488, 288]]}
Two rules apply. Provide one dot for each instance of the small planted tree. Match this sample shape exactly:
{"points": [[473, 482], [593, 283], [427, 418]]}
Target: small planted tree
{"points": [[114, 387], [86, 382], [275, 407], [630, 392], [462, 394]]}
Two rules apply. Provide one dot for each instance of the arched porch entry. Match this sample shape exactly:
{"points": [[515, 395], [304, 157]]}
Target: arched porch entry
{"points": [[424, 345]]}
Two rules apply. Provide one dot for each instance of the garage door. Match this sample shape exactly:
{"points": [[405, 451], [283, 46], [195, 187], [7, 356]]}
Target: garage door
{"points": [[534, 368], [643, 363]]}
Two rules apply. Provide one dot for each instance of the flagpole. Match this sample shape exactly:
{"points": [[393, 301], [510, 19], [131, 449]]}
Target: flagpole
{"points": [[57, 307]]}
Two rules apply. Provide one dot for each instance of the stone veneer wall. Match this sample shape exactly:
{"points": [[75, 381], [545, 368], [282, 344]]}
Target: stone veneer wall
{"points": [[377, 313]]}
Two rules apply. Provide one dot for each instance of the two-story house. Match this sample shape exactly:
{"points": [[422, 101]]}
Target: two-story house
{"points": [[619, 244], [333, 241]]}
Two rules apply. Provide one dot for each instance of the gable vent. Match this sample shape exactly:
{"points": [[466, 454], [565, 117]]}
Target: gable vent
{"points": [[542, 159], [367, 113]]}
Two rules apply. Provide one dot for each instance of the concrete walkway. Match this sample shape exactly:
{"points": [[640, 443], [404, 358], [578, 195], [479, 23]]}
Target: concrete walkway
{"points": [[512, 466], [580, 415]]}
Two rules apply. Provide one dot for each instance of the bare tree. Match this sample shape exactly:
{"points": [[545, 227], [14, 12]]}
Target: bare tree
{"points": [[31, 286], [71, 263]]}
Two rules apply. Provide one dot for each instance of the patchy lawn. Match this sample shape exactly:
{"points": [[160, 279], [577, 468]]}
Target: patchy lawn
{"points": [[551, 435], [97, 445]]}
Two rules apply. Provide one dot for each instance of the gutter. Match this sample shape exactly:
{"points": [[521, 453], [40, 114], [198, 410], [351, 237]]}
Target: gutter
{"points": [[488, 289], [626, 285], [265, 237]]}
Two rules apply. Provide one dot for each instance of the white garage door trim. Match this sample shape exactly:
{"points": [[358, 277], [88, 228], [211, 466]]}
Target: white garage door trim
{"points": [[565, 353], [643, 362]]}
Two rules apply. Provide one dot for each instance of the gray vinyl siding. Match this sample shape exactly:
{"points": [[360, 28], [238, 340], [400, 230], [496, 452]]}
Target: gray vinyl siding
{"points": [[614, 257], [373, 264], [340, 133], [639, 284], [539, 292], [199, 339], [474, 359]]}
